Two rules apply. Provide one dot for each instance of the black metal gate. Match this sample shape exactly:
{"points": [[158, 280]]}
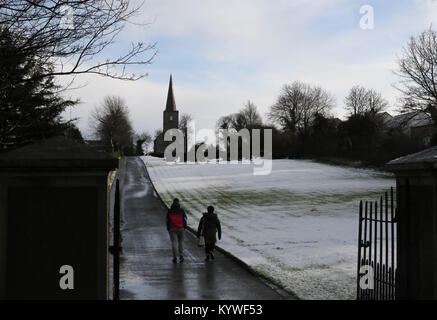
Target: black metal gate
{"points": [[116, 244], [376, 271]]}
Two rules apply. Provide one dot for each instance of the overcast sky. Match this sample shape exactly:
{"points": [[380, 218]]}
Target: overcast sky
{"points": [[222, 53]]}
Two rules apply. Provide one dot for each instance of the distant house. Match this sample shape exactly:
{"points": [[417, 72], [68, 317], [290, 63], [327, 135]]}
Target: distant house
{"points": [[405, 121], [423, 130], [418, 125], [385, 117]]}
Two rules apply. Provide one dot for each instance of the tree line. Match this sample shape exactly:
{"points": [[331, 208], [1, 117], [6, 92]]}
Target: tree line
{"points": [[304, 127]]}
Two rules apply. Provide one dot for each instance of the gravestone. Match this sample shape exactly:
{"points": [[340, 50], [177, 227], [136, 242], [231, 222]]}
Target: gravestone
{"points": [[54, 221], [416, 215]]}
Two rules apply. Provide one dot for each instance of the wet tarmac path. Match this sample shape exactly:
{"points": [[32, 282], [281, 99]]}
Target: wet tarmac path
{"points": [[147, 271]]}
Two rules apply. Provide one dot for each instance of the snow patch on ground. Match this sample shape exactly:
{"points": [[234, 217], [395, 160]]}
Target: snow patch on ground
{"points": [[297, 225]]}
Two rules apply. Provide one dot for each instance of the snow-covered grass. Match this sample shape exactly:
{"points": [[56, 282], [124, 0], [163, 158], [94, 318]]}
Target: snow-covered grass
{"points": [[297, 225]]}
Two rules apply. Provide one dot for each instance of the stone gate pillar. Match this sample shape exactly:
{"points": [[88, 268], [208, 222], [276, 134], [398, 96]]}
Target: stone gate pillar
{"points": [[54, 221], [416, 189]]}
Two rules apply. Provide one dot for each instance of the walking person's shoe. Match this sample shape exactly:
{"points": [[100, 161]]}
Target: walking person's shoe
{"points": [[181, 258], [207, 257], [175, 260]]}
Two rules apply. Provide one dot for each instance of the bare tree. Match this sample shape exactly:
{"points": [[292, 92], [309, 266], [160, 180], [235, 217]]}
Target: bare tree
{"points": [[142, 141], [418, 74], [224, 122], [356, 100], [317, 101], [184, 121], [286, 112], [239, 121], [111, 124], [364, 101], [298, 104], [376, 102], [157, 133], [74, 35], [250, 115]]}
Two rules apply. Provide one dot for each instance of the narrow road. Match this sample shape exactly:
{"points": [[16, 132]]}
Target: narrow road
{"points": [[146, 270]]}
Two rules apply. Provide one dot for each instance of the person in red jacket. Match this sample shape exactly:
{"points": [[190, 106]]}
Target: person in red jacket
{"points": [[176, 225]]}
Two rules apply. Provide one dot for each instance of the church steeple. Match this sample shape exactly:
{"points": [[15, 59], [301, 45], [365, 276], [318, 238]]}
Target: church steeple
{"points": [[171, 104], [171, 115], [170, 121]]}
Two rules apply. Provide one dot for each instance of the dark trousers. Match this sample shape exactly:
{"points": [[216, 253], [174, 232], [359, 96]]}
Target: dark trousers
{"points": [[209, 247], [177, 241]]}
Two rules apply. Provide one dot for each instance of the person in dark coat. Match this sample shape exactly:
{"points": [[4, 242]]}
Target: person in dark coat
{"points": [[176, 225], [209, 225]]}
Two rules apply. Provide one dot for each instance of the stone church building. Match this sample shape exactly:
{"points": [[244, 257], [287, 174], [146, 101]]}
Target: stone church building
{"points": [[171, 121]]}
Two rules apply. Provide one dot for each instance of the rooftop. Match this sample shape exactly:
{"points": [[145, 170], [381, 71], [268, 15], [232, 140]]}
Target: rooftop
{"points": [[401, 119], [426, 159], [423, 123], [57, 152]]}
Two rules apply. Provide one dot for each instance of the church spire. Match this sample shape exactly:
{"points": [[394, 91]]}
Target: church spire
{"points": [[171, 104]]}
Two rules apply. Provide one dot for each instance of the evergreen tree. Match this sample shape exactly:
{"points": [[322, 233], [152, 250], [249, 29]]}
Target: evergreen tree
{"points": [[30, 105]]}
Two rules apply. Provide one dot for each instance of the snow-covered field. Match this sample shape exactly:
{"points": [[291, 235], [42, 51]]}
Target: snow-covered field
{"points": [[297, 225]]}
